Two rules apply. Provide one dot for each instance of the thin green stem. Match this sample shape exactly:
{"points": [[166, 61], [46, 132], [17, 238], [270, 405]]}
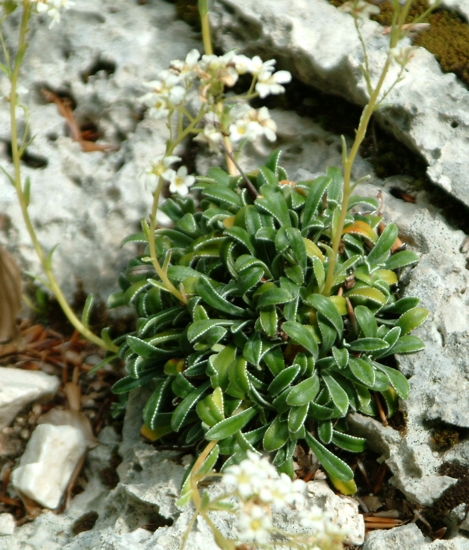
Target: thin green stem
{"points": [[53, 284], [206, 36], [151, 241], [359, 136]]}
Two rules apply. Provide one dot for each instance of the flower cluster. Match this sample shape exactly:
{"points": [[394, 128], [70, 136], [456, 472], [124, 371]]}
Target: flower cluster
{"points": [[168, 92], [359, 9], [52, 8], [179, 180], [261, 490]]}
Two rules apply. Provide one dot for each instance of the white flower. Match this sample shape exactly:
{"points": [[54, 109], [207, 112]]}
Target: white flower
{"points": [[251, 123], [359, 8], [402, 55], [254, 524], [257, 66], [180, 182], [52, 7], [160, 167], [250, 476], [211, 136], [164, 96], [187, 68], [269, 83], [221, 68]]}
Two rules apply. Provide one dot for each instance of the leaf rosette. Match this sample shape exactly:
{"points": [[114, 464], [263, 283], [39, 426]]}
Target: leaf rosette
{"points": [[259, 358]]}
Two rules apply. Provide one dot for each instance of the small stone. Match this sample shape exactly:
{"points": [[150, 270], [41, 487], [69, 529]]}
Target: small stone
{"points": [[7, 524], [20, 387], [48, 463], [344, 510]]}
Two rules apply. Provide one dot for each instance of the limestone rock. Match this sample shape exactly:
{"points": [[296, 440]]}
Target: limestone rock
{"points": [[427, 110], [20, 387], [48, 463], [100, 54], [7, 524], [344, 510]]}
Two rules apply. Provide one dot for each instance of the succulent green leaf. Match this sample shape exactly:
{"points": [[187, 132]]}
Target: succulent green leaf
{"points": [[401, 259], [283, 380], [366, 321], [302, 335], [274, 296], [272, 162], [213, 299], [239, 381], [304, 392], [368, 345], [152, 407], [325, 306], [296, 417], [269, 320], [411, 319], [186, 405], [325, 431], [317, 189], [266, 176], [398, 380], [370, 293], [407, 344], [199, 328], [275, 361], [276, 436], [274, 203], [208, 411], [348, 442], [338, 395], [341, 357], [402, 305], [333, 465], [220, 194], [381, 249], [362, 370], [232, 425], [334, 192], [129, 383], [181, 386]]}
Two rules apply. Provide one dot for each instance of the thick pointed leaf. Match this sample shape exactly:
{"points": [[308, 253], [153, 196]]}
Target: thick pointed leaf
{"points": [[213, 299], [208, 411], [367, 321], [153, 405], [338, 395], [304, 392], [368, 292], [221, 194], [317, 189], [368, 345], [401, 259], [241, 236], [274, 296], [412, 319], [381, 250], [276, 436], [349, 442], [333, 465], [186, 405], [407, 344], [398, 380], [296, 418], [341, 357], [329, 310], [276, 205], [402, 305], [269, 320], [362, 370], [302, 335], [231, 426], [239, 381], [283, 380], [275, 361], [199, 328], [325, 431]]}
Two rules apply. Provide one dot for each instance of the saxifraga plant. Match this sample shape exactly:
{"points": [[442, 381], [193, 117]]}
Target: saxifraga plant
{"points": [[262, 356]]}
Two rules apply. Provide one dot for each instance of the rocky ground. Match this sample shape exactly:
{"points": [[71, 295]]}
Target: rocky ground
{"points": [[98, 58]]}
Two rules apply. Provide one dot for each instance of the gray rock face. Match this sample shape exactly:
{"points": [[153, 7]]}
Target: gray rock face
{"points": [[101, 54], [427, 110]]}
